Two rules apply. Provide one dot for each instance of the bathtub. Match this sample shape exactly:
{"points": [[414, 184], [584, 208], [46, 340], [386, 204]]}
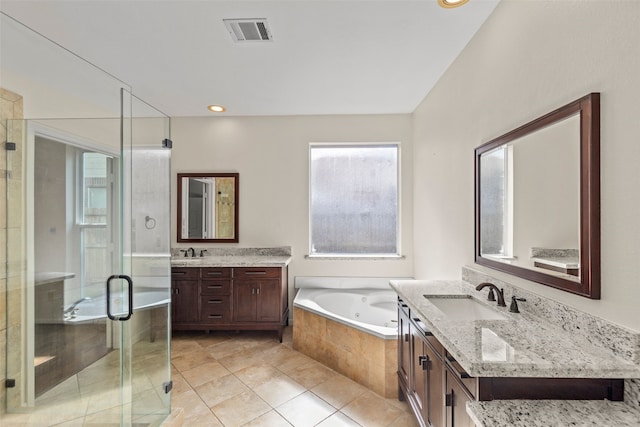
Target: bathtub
{"points": [[373, 311], [96, 308], [350, 325]]}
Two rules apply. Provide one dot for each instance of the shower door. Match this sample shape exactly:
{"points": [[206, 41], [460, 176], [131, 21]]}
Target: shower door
{"points": [[87, 270]]}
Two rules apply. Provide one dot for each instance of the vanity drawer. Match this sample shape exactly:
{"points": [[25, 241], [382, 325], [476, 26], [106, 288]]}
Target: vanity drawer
{"points": [[256, 272], [216, 309], [185, 273], [216, 272], [215, 287]]}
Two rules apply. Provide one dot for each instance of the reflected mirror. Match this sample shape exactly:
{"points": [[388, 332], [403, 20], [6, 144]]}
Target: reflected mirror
{"points": [[208, 207], [538, 199]]}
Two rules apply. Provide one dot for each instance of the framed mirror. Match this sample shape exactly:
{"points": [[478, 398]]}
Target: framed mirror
{"points": [[537, 199], [208, 207]]}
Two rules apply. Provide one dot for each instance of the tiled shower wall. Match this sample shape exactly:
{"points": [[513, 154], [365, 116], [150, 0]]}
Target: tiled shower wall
{"points": [[10, 231]]}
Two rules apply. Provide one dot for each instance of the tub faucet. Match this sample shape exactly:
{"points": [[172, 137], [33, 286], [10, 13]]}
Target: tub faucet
{"points": [[73, 307], [491, 296]]}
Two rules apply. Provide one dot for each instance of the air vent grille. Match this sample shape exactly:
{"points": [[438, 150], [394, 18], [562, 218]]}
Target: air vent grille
{"points": [[248, 30]]}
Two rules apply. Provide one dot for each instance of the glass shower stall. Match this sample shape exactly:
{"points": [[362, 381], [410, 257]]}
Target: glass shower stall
{"points": [[85, 302]]}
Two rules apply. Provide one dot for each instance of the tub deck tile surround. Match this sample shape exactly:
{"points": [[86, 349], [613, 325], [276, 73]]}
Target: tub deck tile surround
{"points": [[362, 357], [548, 339]]}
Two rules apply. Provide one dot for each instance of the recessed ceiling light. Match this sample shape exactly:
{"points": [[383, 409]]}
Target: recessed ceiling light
{"points": [[216, 108], [449, 4]]}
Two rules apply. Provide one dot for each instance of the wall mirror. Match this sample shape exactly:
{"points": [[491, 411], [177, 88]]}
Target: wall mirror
{"points": [[537, 199], [208, 207]]}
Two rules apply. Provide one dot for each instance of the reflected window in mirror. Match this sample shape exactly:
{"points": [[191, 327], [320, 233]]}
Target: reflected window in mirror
{"points": [[538, 197], [497, 203], [208, 207]]}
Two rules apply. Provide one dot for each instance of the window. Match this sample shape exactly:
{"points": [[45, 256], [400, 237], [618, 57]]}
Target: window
{"points": [[94, 216], [354, 200]]}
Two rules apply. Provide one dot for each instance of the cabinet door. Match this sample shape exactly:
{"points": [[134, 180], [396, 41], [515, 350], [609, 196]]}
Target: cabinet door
{"points": [[404, 347], [420, 379], [184, 301], [244, 301], [268, 300], [435, 388], [457, 399]]}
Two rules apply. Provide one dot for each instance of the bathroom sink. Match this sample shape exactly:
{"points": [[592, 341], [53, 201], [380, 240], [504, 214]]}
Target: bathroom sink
{"points": [[463, 307]]}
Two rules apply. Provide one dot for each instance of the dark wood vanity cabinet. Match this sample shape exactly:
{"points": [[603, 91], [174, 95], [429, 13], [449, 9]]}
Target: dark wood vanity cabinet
{"points": [[421, 371], [184, 295], [437, 388], [456, 401], [215, 295], [257, 295], [229, 298]]}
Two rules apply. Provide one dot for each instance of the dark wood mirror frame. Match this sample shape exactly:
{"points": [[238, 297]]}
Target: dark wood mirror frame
{"points": [[180, 209], [589, 283]]}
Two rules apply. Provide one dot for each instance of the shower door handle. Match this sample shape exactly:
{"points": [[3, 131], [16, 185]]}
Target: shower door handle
{"points": [[130, 289]]}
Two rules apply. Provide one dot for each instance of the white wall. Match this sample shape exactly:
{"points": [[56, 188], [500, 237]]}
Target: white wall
{"points": [[529, 58], [272, 156]]}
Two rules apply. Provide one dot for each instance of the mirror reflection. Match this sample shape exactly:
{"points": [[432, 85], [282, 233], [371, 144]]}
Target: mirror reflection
{"points": [[530, 200], [208, 207], [538, 198]]}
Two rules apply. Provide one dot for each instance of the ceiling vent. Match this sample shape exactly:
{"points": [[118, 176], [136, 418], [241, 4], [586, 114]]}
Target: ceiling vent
{"points": [[248, 30]]}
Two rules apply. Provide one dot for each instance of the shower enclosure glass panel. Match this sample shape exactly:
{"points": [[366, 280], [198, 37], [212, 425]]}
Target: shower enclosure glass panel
{"points": [[87, 198], [78, 197], [147, 256]]}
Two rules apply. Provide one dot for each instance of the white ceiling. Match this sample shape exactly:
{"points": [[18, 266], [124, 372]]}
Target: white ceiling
{"points": [[327, 57]]}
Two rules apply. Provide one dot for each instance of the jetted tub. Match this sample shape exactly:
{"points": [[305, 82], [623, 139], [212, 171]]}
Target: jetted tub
{"points": [[350, 325], [373, 311]]}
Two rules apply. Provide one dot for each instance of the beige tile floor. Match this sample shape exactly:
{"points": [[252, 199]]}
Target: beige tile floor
{"points": [[220, 379], [250, 379]]}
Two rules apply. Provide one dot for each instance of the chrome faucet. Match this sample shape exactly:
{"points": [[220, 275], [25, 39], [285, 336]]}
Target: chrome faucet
{"points": [[491, 296], [72, 309]]}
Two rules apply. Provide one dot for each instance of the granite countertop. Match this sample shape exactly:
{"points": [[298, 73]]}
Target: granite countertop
{"points": [[231, 261], [531, 413], [522, 345], [562, 262]]}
